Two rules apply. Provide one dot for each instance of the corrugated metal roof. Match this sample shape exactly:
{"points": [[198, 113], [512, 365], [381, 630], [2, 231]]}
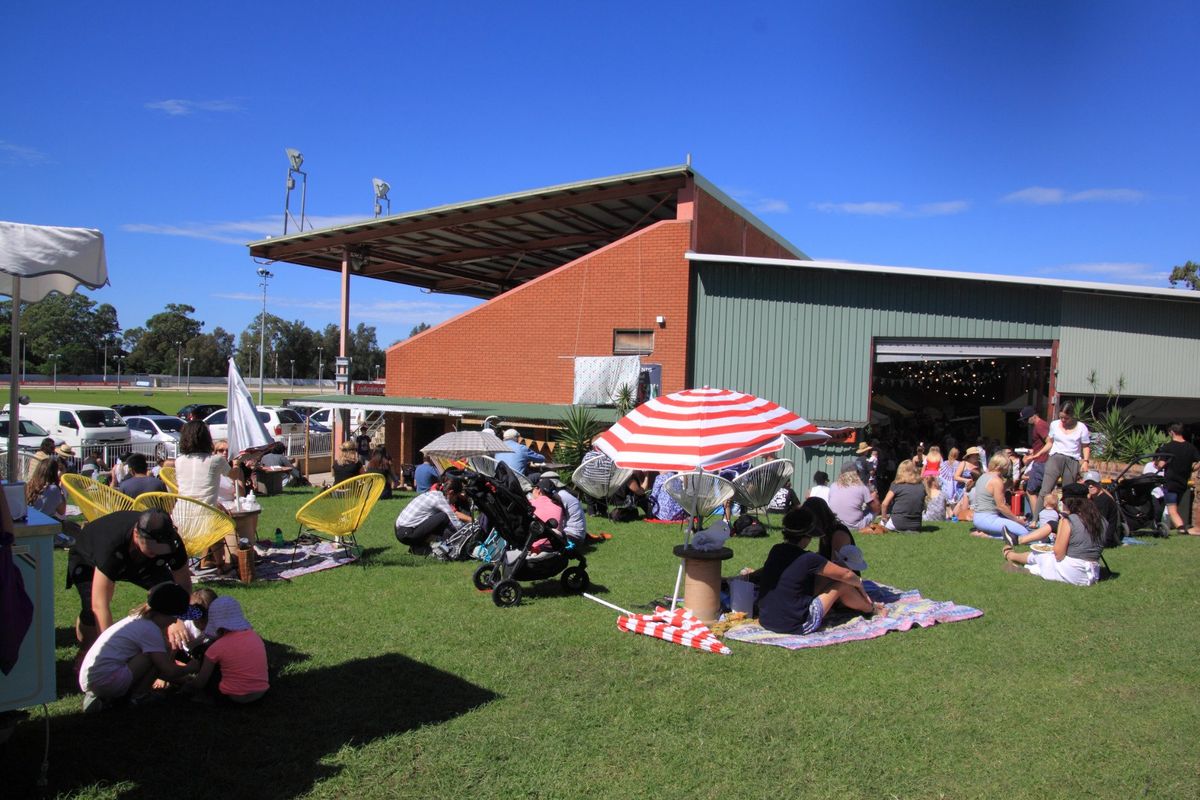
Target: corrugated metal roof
{"points": [[544, 412], [1020, 280]]}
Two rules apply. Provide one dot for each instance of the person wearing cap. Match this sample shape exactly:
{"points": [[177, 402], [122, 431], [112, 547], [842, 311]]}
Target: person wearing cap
{"points": [[1105, 503], [130, 655], [831, 534], [431, 516], [1069, 443], [139, 547], [66, 458], [797, 530], [862, 463], [964, 479], [1184, 458], [1039, 431], [989, 509], [546, 505], [1077, 543], [235, 664], [519, 455]]}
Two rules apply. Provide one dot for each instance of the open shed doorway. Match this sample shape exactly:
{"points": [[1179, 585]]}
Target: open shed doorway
{"points": [[953, 392]]}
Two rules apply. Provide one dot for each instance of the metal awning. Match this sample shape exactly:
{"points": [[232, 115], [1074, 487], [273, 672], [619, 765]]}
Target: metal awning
{"points": [[893, 350]]}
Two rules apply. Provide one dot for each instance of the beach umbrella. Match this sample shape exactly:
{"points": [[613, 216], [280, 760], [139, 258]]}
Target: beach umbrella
{"points": [[460, 445], [36, 260], [700, 428], [679, 626], [245, 431]]}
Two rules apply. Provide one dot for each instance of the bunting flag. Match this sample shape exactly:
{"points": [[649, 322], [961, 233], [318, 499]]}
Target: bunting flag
{"points": [[679, 626]]}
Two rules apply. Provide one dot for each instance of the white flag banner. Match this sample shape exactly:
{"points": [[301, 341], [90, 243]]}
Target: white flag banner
{"points": [[246, 431]]}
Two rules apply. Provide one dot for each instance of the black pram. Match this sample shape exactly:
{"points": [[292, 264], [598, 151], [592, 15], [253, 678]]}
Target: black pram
{"points": [[506, 510], [1139, 507]]}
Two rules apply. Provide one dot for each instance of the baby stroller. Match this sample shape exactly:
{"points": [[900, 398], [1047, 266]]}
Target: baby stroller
{"points": [[1139, 507], [502, 502]]}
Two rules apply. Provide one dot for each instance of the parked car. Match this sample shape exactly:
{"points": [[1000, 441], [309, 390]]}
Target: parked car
{"points": [[202, 410], [30, 435], [132, 410], [279, 422], [79, 425], [326, 417], [160, 428]]}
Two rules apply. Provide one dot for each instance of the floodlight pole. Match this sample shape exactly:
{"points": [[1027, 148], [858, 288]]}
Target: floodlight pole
{"points": [[118, 359], [54, 357], [262, 331], [178, 363], [189, 361], [320, 366], [292, 382]]}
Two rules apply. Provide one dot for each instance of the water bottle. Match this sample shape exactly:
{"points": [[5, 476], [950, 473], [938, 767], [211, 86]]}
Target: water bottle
{"points": [[279, 537]]}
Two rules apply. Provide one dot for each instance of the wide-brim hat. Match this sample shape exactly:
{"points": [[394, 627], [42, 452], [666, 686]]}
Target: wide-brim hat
{"points": [[863, 447], [971, 451], [850, 557], [551, 475], [226, 612], [66, 450]]}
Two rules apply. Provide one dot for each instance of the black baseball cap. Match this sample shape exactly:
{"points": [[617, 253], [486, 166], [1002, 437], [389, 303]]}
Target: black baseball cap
{"points": [[1026, 413], [1074, 490], [157, 525]]}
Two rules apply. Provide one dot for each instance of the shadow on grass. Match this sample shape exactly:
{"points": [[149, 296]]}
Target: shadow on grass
{"points": [[272, 749]]}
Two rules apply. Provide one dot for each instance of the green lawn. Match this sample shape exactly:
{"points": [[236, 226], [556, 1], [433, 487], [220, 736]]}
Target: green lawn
{"points": [[401, 680]]}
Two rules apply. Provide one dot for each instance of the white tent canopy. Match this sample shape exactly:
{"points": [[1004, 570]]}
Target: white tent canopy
{"points": [[36, 260]]}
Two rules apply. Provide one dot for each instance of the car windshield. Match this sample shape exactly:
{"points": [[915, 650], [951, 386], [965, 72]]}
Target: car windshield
{"points": [[99, 419], [171, 425]]}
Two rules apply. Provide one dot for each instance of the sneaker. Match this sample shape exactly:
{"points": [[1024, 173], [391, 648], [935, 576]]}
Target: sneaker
{"points": [[92, 704], [1010, 538]]}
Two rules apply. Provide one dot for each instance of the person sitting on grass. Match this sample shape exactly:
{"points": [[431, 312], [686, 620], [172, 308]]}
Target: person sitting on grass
{"points": [[992, 516], [904, 502], [935, 500], [665, 507], [797, 533], [1077, 544], [832, 534], [234, 666], [140, 481], [820, 487], [851, 500], [131, 654], [1044, 527], [807, 590], [430, 516], [348, 464], [546, 504]]}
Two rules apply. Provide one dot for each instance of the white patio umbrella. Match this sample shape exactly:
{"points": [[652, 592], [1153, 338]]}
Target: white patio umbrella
{"points": [[36, 260], [244, 431]]}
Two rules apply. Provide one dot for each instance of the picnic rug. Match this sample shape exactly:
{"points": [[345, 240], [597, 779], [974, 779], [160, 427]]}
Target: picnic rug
{"points": [[277, 563], [906, 609]]}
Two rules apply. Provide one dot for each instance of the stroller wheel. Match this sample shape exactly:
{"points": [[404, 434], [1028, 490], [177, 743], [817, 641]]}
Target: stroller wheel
{"points": [[483, 577], [506, 593], [574, 580]]}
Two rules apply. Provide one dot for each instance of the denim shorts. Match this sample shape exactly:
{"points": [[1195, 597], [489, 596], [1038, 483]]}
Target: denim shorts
{"points": [[816, 615], [1171, 498]]}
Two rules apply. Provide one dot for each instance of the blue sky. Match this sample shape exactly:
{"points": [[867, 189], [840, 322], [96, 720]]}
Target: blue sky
{"points": [[1035, 138]]}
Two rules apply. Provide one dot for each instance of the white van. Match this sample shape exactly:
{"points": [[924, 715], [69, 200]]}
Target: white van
{"points": [[78, 426]]}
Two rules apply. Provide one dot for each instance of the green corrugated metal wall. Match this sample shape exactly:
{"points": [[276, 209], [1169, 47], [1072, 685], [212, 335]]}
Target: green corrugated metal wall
{"points": [[1153, 344], [802, 337]]}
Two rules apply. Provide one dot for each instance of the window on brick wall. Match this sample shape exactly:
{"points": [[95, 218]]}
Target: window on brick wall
{"points": [[632, 342]]}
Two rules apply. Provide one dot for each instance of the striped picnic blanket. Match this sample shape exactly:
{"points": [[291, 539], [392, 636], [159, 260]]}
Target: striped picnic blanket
{"points": [[906, 609]]}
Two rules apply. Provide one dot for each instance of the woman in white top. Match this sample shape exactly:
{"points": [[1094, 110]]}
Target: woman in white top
{"points": [[198, 471], [1069, 444]]}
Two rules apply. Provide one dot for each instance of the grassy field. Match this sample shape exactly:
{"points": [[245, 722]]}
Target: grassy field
{"points": [[402, 680]]}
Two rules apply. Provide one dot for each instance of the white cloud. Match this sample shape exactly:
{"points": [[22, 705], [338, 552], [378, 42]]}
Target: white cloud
{"points": [[758, 204], [11, 153], [237, 232], [1115, 271], [183, 108], [1047, 196], [397, 312], [878, 208]]}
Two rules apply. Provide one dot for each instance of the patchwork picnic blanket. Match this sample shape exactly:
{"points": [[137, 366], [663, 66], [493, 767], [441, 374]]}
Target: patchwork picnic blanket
{"points": [[277, 563], [906, 608]]}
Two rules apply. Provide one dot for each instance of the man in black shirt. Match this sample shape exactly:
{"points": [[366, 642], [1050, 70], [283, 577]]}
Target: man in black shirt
{"points": [[141, 547], [1179, 469]]}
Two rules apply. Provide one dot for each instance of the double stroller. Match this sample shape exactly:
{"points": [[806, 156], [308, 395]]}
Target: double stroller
{"points": [[532, 551], [1139, 507]]}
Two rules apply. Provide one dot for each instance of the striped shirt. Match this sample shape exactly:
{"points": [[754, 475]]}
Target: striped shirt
{"points": [[425, 505]]}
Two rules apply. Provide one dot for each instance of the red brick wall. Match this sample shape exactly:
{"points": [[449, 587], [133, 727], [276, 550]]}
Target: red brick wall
{"points": [[721, 230], [509, 349]]}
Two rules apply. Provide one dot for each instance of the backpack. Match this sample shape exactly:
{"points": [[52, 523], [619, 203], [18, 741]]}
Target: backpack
{"points": [[748, 525]]}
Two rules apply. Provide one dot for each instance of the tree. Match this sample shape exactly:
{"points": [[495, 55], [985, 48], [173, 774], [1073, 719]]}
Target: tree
{"points": [[1188, 274], [362, 347], [159, 347], [67, 325], [248, 344], [421, 326]]}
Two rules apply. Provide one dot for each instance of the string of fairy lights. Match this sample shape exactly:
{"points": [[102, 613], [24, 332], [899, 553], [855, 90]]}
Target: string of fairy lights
{"points": [[966, 379]]}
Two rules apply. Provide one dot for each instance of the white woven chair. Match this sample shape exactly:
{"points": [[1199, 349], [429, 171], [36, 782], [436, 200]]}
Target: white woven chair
{"points": [[599, 477], [757, 486]]}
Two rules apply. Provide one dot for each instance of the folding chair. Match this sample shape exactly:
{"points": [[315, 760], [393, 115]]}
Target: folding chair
{"points": [[167, 476], [756, 487], [94, 498], [200, 525], [338, 512]]}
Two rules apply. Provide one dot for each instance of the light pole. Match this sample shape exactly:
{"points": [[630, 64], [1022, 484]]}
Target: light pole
{"points": [[376, 373], [264, 276], [293, 379], [55, 357], [178, 363], [189, 361], [118, 359], [320, 367], [24, 335], [275, 353]]}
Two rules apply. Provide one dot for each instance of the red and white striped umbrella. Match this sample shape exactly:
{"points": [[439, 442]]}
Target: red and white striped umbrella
{"points": [[679, 626], [706, 428]]}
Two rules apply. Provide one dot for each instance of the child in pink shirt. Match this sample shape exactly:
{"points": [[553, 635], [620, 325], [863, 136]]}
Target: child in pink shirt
{"points": [[237, 660]]}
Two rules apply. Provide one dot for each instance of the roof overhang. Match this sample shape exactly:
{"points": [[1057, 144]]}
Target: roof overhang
{"points": [[483, 248]]}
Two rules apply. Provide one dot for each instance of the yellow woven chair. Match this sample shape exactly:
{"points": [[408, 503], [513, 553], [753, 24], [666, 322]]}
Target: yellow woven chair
{"points": [[94, 498], [200, 525], [167, 476], [340, 510]]}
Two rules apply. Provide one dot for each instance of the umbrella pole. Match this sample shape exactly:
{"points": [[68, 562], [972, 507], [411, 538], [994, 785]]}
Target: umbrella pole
{"points": [[679, 573], [14, 377]]}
